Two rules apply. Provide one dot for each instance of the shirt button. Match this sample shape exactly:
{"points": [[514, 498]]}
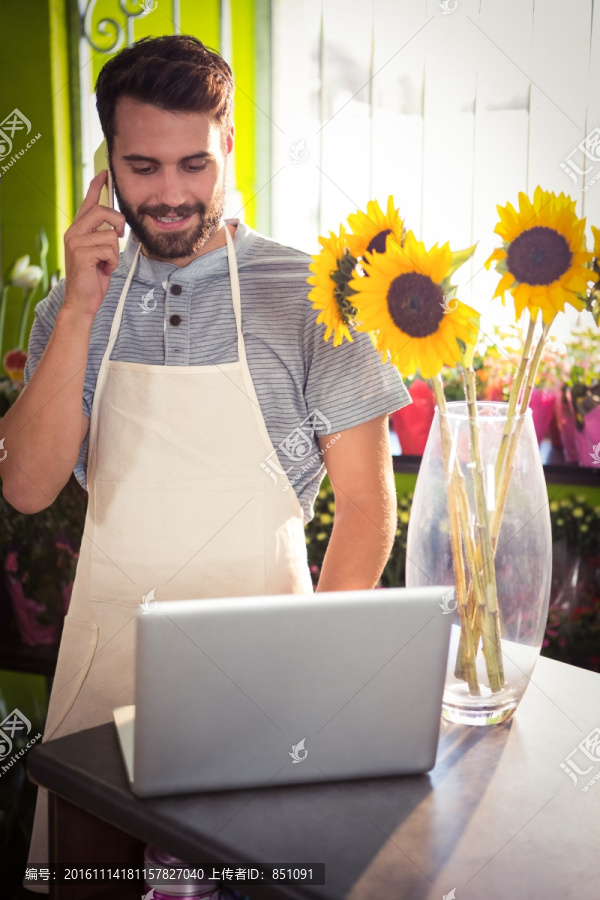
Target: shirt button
{"points": [[176, 289], [175, 319]]}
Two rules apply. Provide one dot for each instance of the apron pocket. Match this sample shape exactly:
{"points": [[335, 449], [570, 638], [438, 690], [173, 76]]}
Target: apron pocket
{"points": [[77, 648], [187, 540]]}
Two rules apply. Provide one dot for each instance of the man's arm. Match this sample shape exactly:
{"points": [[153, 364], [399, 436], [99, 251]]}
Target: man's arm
{"points": [[360, 468], [44, 429]]}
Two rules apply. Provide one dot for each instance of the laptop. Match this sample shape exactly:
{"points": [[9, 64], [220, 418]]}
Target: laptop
{"points": [[246, 692]]}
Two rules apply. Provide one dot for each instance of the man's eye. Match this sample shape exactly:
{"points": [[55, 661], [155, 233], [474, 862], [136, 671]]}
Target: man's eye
{"points": [[148, 170]]}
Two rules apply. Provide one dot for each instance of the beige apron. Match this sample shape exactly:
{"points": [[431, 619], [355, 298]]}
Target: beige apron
{"points": [[177, 502]]}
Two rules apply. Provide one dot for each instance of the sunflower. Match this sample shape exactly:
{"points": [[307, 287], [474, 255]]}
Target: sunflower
{"points": [[333, 268], [543, 258], [405, 300], [593, 296], [596, 233], [370, 231]]}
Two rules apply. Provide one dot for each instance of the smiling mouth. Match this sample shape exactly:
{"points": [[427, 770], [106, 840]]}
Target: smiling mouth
{"points": [[170, 222]]}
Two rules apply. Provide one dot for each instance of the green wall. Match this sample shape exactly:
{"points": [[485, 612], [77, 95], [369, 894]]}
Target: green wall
{"points": [[36, 189]]}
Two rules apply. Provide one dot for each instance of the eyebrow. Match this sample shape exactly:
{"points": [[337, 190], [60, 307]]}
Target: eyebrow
{"points": [[137, 157]]}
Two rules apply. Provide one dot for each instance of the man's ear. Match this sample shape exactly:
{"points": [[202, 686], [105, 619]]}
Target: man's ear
{"points": [[229, 143]]}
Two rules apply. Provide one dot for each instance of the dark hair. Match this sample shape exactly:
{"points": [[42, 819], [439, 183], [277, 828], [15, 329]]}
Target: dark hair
{"points": [[175, 72]]}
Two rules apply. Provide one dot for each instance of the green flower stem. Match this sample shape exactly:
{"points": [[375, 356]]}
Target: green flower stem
{"points": [[512, 401], [3, 305], [535, 362], [470, 632], [522, 368], [489, 621], [459, 666], [475, 597], [468, 667], [23, 318], [507, 469]]}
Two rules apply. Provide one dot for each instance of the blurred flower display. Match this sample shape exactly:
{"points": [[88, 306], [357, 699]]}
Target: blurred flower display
{"points": [[39, 555], [39, 552], [573, 629]]}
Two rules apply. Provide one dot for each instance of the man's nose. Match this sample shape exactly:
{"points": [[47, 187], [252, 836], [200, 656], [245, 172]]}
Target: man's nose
{"points": [[170, 191]]}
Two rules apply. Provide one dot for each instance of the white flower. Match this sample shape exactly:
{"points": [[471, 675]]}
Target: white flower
{"points": [[25, 276]]}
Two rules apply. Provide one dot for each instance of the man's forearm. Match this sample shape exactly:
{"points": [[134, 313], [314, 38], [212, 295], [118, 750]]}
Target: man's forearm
{"points": [[42, 430], [361, 541]]}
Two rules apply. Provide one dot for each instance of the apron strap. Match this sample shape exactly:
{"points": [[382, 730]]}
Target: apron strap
{"points": [[235, 293], [114, 330]]}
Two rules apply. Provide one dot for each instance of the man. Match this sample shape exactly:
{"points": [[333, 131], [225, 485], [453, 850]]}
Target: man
{"points": [[211, 402]]}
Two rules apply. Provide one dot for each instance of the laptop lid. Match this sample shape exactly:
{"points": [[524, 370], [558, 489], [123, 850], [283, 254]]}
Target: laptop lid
{"points": [[262, 691]]}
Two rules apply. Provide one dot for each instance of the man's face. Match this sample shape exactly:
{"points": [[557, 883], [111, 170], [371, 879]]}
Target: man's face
{"points": [[169, 164]]}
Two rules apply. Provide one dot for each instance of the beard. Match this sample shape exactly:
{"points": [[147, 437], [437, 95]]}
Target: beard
{"points": [[180, 244]]}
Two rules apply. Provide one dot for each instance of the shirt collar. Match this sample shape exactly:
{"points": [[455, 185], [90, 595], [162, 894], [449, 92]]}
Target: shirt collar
{"points": [[152, 270]]}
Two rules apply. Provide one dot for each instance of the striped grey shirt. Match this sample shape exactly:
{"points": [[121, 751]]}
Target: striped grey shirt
{"points": [[305, 386]]}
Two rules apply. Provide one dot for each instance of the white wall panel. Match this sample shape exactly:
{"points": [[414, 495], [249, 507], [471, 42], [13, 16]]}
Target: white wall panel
{"points": [[451, 107], [559, 73], [590, 186], [296, 124], [346, 132], [399, 62]]}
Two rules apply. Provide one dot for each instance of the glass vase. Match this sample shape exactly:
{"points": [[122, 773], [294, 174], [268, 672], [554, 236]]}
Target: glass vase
{"points": [[500, 612]]}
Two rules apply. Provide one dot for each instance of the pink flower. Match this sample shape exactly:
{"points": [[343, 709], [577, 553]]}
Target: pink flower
{"points": [[10, 563], [14, 363]]}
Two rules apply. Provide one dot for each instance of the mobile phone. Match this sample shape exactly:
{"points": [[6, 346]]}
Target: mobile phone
{"points": [[106, 194]]}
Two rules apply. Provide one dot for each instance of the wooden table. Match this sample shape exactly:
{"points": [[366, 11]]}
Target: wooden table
{"points": [[496, 818]]}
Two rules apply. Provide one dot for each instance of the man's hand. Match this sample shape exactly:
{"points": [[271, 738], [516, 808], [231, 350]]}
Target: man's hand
{"points": [[91, 256], [360, 468]]}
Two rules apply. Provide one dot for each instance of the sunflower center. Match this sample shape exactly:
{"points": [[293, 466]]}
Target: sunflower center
{"points": [[377, 244], [539, 256], [415, 303]]}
